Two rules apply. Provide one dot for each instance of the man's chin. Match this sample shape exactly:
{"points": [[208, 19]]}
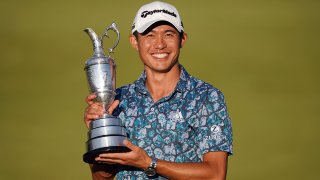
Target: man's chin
{"points": [[164, 69]]}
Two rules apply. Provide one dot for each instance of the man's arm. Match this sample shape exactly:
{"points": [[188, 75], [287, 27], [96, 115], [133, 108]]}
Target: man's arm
{"points": [[214, 165], [102, 172]]}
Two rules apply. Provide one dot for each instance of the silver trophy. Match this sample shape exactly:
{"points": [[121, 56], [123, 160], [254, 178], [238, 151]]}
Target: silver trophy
{"points": [[107, 133]]}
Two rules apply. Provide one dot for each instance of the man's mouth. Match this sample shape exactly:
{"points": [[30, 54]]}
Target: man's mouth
{"points": [[160, 55]]}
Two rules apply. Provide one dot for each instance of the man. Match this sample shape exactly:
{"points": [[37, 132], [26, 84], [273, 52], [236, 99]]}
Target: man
{"points": [[178, 125]]}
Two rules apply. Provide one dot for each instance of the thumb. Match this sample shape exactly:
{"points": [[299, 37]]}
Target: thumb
{"points": [[129, 144], [113, 106]]}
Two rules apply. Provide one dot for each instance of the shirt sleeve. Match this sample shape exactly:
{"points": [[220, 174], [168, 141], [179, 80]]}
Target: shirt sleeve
{"points": [[214, 127]]}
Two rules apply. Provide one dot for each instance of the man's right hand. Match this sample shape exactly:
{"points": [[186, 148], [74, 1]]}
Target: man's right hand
{"points": [[95, 110]]}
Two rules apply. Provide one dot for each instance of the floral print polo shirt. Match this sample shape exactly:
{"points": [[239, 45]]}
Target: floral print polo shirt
{"points": [[181, 127]]}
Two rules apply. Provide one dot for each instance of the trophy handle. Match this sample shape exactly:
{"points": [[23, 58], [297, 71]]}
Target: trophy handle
{"points": [[113, 27]]}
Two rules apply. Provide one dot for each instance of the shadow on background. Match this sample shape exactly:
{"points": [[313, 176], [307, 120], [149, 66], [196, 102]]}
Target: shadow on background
{"points": [[264, 55]]}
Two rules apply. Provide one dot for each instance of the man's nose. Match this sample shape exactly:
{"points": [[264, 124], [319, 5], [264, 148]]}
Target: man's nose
{"points": [[160, 43]]}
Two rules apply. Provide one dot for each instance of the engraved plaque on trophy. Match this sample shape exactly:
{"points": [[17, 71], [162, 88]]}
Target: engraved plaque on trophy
{"points": [[107, 133]]}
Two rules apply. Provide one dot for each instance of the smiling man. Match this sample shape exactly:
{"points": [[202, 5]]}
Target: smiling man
{"points": [[178, 125]]}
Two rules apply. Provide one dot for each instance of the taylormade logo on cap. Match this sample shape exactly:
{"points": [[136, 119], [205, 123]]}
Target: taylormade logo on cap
{"points": [[146, 13], [154, 12]]}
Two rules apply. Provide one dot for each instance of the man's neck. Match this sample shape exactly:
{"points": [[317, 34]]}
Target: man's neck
{"points": [[161, 85]]}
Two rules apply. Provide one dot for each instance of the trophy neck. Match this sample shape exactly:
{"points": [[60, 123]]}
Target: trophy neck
{"points": [[97, 43]]}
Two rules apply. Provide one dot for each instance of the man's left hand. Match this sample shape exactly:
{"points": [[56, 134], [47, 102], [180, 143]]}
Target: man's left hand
{"points": [[137, 157]]}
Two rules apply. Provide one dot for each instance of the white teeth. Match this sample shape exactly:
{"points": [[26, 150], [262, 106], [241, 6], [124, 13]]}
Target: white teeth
{"points": [[160, 55]]}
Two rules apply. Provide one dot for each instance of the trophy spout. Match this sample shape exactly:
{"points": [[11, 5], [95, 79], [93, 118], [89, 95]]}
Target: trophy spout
{"points": [[97, 44]]}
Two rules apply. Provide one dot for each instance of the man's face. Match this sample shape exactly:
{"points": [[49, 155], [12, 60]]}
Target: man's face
{"points": [[159, 48]]}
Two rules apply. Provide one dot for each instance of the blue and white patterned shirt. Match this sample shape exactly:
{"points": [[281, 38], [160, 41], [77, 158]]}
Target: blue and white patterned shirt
{"points": [[181, 127]]}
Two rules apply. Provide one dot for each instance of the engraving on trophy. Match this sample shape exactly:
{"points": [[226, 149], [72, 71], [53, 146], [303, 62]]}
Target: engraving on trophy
{"points": [[107, 133]]}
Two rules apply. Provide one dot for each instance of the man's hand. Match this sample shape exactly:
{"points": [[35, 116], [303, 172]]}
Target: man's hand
{"points": [[95, 110], [137, 157]]}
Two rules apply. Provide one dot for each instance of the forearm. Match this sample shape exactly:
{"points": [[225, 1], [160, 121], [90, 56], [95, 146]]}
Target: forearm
{"points": [[202, 170], [102, 172], [214, 166]]}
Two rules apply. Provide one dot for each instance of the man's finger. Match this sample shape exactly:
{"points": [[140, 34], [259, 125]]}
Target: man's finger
{"points": [[90, 117], [108, 160], [113, 106], [95, 109], [89, 99]]}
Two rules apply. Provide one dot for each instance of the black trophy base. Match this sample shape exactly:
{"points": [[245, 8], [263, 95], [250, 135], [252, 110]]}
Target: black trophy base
{"points": [[90, 156]]}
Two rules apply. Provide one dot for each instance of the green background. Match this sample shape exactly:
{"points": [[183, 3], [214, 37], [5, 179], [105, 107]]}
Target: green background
{"points": [[264, 56]]}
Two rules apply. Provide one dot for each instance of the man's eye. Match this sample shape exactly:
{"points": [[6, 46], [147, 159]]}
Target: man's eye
{"points": [[150, 35], [169, 35]]}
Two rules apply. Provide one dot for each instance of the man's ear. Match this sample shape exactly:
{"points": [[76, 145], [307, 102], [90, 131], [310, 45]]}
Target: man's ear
{"points": [[133, 41], [183, 39]]}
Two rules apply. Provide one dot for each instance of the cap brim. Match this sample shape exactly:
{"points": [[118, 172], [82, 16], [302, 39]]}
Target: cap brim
{"points": [[143, 28]]}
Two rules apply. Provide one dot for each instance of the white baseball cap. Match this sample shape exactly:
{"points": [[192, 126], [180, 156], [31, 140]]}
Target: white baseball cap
{"points": [[154, 12]]}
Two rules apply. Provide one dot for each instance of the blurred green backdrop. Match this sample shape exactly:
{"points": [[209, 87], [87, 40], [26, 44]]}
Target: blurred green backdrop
{"points": [[264, 55]]}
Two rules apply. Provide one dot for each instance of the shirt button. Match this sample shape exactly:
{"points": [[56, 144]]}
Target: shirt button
{"points": [[152, 109]]}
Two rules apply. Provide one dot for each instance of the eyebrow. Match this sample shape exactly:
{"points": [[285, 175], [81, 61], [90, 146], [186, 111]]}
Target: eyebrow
{"points": [[166, 31], [173, 31]]}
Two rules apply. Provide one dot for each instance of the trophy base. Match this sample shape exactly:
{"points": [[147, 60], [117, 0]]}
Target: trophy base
{"points": [[90, 156], [106, 135]]}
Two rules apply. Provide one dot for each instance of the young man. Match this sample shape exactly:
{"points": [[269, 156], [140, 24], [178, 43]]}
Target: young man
{"points": [[178, 125]]}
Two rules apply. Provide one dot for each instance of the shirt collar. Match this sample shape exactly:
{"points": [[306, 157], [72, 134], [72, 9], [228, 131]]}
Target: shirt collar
{"points": [[181, 86]]}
